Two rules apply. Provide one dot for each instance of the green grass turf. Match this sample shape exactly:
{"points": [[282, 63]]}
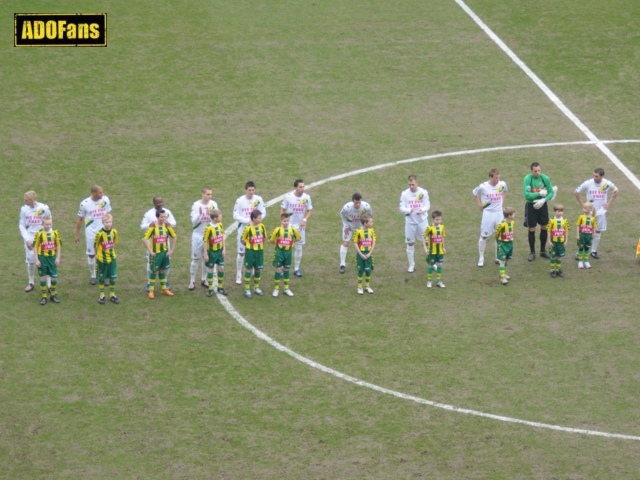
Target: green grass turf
{"points": [[220, 93]]}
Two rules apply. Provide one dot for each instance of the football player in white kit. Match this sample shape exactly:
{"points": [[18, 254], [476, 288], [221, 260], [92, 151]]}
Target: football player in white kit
{"points": [[149, 220], [91, 211], [242, 209], [489, 197], [30, 222], [200, 218], [598, 189], [298, 205], [414, 203], [351, 215]]}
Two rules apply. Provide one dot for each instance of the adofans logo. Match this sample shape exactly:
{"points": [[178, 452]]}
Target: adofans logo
{"points": [[60, 29]]}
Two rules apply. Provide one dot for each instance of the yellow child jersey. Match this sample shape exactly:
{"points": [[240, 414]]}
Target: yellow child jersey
{"points": [[159, 237], [558, 228], [435, 239], [364, 239], [587, 224], [105, 243], [504, 231], [285, 237], [46, 243], [214, 237], [253, 237]]}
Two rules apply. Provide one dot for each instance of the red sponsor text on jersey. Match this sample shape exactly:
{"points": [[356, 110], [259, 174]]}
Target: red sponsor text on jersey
{"points": [[597, 194], [365, 242], [436, 238], [49, 245], [507, 236], [285, 242], [257, 240], [98, 213], [159, 239], [108, 245], [215, 239], [586, 229], [557, 232]]}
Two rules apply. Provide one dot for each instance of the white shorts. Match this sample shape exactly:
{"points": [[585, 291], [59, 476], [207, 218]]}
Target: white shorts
{"points": [[347, 232], [241, 247], [29, 255], [91, 248], [490, 221], [197, 246], [414, 232], [302, 236], [602, 222]]}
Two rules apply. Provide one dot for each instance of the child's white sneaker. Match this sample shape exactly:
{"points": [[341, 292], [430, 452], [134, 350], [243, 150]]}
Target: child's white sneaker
{"points": [[369, 289], [440, 284], [429, 285], [587, 265], [581, 264], [276, 293], [360, 291], [288, 293]]}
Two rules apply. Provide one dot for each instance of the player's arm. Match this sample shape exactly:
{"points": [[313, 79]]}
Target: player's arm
{"points": [[174, 242], [614, 195], [58, 249], [404, 207], [424, 242], [262, 209], [296, 235], [147, 243], [171, 219], [476, 197], [426, 203], [79, 224], [498, 229], [529, 196], [274, 236], [144, 223], [373, 246], [36, 246], [195, 213], [206, 236]]}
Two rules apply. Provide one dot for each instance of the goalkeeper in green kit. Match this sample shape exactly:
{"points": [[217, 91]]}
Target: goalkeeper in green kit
{"points": [[537, 192]]}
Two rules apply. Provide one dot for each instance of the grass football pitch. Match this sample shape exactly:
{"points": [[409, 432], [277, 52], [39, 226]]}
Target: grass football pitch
{"points": [[217, 93]]}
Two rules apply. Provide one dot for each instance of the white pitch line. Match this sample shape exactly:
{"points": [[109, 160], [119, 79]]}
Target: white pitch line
{"points": [[552, 96], [263, 336]]}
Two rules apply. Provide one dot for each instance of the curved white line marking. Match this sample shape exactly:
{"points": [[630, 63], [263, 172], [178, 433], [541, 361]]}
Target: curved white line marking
{"points": [[278, 346]]}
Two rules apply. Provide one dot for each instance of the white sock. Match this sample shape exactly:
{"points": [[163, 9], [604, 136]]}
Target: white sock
{"points": [[595, 242], [92, 266], [239, 260], [482, 246], [193, 268], [343, 254], [204, 271], [31, 271], [495, 250], [297, 256], [411, 254]]}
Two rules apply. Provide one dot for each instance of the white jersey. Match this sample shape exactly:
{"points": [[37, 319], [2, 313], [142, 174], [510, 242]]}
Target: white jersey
{"points": [[150, 217], [411, 202], [597, 193], [351, 216], [31, 220], [92, 211], [200, 217], [244, 206], [491, 196], [296, 206]]}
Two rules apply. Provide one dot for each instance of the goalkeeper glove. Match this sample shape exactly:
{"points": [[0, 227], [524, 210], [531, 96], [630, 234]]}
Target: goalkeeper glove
{"points": [[555, 192], [543, 193], [539, 203]]}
